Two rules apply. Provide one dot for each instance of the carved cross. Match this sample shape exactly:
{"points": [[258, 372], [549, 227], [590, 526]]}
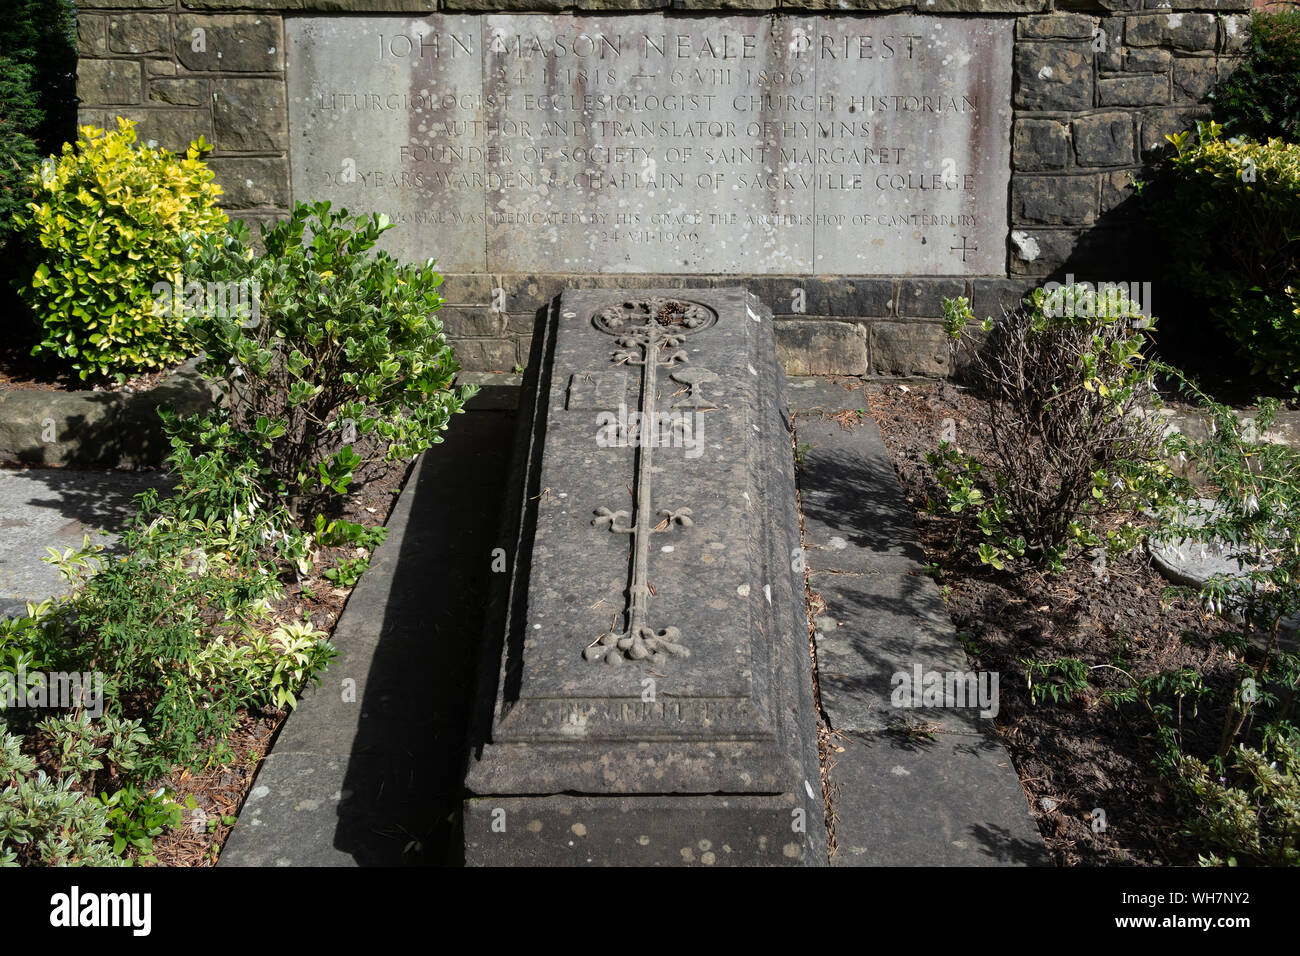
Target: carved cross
{"points": [[649, 335]]}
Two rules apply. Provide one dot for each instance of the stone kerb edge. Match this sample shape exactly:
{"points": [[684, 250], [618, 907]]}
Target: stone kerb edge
{"points": [[96, 428]]}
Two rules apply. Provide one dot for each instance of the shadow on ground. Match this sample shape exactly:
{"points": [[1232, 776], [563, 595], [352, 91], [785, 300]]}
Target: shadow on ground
{"points": [[405, 770]]}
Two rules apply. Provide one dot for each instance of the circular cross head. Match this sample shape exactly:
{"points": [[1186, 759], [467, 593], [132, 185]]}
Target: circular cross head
{"points": [[680, 316]]}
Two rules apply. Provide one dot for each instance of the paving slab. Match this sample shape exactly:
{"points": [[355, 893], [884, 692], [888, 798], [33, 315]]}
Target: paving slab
{"points": [[44, 508], [854, 515], [923, 779], [951, 801], [367, 771], [813, 393], [875, 626]]}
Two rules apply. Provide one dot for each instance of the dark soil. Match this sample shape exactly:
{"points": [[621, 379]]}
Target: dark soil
{"points": [[1078, 755], [19, 369], [220, 792]]}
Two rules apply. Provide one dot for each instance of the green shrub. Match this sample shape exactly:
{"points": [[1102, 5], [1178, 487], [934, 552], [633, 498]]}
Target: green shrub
{"points": [[181, 634], [343, 366], [19, 117], [55, 819], [136, 816], [1252, 500], [42, 35], [1230, 217], [1228, 747], [38, 114], [108, 224], [181, 625], [1254, 817], [1261, 99], [1070, 459]]}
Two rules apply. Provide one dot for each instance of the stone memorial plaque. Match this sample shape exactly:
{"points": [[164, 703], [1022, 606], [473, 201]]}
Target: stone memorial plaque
{"points": [[662, 143], [648, 689]]}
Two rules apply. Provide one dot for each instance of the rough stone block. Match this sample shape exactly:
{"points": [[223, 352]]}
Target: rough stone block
{"points": [[485, 355], [1136, 89], [1090, 5], [1235, 34], [984, 6], [811, 347], [1159, 123], [1053, 76], [1104, 139], [172, 129], [527, 293], [231, 43], [521, 323], [1194, 77], [1111, 57], [851, 296], [991, 296], [463, 323], [1229, 65], [1186, 31], [909, 348], [1117, 193], [248, 115], [140, 33], [317, 6], [1147, 60], [125, 4], [924, 297], [880, 6], [467, 289], [1045, 252], [1056, 26], [550, 6], [252, 182], [784, 295], [1053, 200], [179, 92], [1040, 144], [92, 36], [108, 82]]}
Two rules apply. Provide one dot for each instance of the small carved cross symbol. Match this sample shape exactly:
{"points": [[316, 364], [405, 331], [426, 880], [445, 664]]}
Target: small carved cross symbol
{"points": [[963, 249]]}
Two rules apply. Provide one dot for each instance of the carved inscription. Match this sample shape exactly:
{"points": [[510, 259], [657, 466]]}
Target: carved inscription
{"points": [[659, 143]]}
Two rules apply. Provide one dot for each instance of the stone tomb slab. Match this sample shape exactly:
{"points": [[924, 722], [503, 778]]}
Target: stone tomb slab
{"points": [[658, 142], [649, 677]]}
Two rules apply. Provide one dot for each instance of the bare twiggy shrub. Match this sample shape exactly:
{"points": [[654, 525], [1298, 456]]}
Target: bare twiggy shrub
{"points": [[1071, 456]]}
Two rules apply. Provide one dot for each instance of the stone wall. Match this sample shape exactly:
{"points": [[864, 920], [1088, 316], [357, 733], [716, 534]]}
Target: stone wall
{"points": [[1097, 86]]}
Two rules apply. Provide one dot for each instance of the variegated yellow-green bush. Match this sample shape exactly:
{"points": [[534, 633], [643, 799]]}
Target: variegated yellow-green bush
{"points": [[1232, 224], [110, 221]]}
